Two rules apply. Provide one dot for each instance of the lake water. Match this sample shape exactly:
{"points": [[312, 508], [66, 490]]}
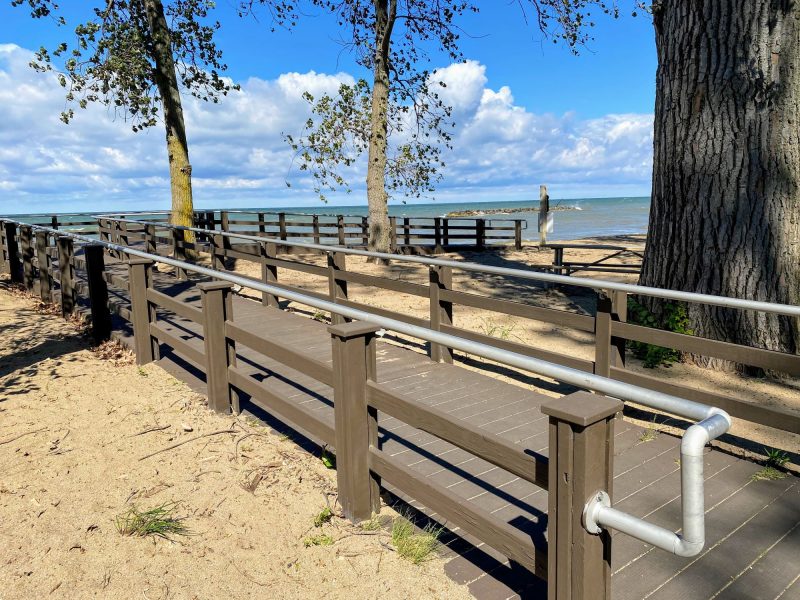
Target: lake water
{"points": [[588, 217]]}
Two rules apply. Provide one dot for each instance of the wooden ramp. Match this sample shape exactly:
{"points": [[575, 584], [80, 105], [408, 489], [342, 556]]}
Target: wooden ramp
{"points": [[753, 527]]}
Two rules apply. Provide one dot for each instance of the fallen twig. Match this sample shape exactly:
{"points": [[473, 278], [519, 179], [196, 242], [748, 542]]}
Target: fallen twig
{"points": [[191, 439], [162, 428], [8, 441]]}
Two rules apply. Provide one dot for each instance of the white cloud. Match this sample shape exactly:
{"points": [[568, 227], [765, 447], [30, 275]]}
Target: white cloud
{"points": [[239, 157]]}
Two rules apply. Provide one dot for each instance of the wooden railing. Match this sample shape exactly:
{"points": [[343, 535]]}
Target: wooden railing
{"points": [[581, 426], [607, 323]]}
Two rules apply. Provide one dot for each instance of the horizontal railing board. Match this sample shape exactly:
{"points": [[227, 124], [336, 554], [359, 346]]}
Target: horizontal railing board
{"points": [[518, 309], [384, 312], [295, 360], [747, 355], [286, 410], [483, 444], [581, 364], [178, 345], [395, 285], [460, 512], [771, 416], [179, 307]]}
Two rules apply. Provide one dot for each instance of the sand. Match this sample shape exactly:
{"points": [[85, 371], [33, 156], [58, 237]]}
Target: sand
{"points": [[74, 427], [746, 438]]}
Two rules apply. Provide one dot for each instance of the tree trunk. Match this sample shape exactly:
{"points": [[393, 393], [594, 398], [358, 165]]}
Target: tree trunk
{"points": [[725, 214], [180, 170], [377, 198]]}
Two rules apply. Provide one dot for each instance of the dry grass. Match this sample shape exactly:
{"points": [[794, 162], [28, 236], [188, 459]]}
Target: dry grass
{"points": [[115, 353], [159, 521]]}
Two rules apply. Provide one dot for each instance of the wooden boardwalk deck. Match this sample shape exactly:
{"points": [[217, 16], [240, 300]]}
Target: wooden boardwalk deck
{"points": [[753, 527]]}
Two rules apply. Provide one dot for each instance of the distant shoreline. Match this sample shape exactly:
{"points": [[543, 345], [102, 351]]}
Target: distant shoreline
{"points": [[504, 211]]}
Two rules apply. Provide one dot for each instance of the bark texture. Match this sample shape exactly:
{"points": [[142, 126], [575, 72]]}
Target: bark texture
{"points": [[377, 197], [180, 169], [725, 216]]}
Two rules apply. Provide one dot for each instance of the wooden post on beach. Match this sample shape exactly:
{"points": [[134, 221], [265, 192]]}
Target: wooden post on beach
{"points": [[441, 278], [544, 208], [12, 252], [66, 274], [337, 287], [269, 272], [45, 279], [581, 462], [142, 312], [393, 238], [220, 352], [315, 228], [356, 423], [517, 234], [26, 245], [98, 291], [282, 225]]}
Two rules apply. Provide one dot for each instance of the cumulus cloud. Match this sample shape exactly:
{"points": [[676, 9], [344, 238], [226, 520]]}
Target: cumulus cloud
{"points": [[239, 157]]}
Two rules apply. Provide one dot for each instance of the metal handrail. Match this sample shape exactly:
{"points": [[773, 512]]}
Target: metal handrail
{"points": [[597, 284], [598, 512]]}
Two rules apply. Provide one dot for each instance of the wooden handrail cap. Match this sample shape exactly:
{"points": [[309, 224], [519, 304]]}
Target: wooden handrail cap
{"points": [[139, 261], [353, 329], [582, 408], [210, 286]]}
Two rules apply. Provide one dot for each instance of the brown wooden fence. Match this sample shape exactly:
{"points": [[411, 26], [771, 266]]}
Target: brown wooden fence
{"points": [[607, 324], [575, 563]]}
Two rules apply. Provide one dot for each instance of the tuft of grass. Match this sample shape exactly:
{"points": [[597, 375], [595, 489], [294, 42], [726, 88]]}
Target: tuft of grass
{"points": [[492, 329], [776, 458], [649, 434], [159, 521], [323, 517], [322, 539], [320, 316], [414, 547], [768, 474], [374, 524]]}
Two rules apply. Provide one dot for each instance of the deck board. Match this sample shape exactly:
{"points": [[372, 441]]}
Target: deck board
{"points": [[646, 483]]}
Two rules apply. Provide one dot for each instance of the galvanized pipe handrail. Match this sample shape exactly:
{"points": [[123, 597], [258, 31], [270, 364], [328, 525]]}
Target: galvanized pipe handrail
{"points": [[713, 421], [598, 284]]}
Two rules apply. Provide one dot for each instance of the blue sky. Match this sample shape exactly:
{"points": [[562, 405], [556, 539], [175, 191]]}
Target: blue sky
{"points": [[530, 112]]}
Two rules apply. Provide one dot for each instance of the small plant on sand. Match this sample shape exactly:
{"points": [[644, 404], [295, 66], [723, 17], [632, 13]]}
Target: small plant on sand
{"points": [[649, 434], [776, 460], [323, 517], [322, 539], [374, 524], [328, 459], [493, 329], [159, 521], [320, 316], [414, 547]]}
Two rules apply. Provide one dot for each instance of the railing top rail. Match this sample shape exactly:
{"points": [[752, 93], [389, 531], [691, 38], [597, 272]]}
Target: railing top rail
{"points": [[570, 280], [300, 214]]}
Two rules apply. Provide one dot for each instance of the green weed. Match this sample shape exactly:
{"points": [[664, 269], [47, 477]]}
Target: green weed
{"points": [[414, 547], [674, 319], [159, 521], [322, 539], [768, 474], [328, 459], [323, 517]]}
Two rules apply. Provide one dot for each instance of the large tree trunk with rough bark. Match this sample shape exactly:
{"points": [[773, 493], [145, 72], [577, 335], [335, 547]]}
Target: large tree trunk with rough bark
{"points": [[180, 169], [725, 215], [377, 198]]}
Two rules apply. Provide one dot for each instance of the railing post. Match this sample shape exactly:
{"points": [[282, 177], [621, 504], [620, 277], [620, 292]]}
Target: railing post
{"points": [[480, 233], [179, 251], [54, 221], [282, 226], [315, 228], [340, 229], [142, 314], [262, 229], [393, 238], [26, 245], [150, 243], [441, 278], [269, 273], [446, 232], [102, 231], [219, 350], [581, 463], [518, 235], [12, 253], [218, 247], [365, 231], [406, 231], [66, 274], [609, 350], [98, 291], [437, 234], [45, 278], [3, 246], [224, 225], [337, 287], [356, 423]]}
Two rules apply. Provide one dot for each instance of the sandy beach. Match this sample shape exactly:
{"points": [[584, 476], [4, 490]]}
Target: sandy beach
{"points": [[75, 427]]}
